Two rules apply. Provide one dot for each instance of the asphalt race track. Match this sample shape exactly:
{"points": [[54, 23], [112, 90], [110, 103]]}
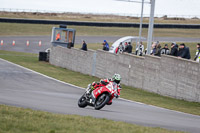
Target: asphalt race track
{"points": [[20, 41], [24, 88]]}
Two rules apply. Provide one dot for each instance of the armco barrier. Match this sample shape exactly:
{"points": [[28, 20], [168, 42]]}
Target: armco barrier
{"points": [[166, 75], [100, 24]]}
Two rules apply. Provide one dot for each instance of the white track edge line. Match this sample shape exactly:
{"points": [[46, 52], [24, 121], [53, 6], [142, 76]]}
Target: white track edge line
{"points": [[84, 88]]}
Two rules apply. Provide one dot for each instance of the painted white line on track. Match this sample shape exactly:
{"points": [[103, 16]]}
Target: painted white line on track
{"points": [[84, 88]]}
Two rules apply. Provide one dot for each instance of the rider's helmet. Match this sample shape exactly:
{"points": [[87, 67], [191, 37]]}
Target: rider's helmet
{"points": [[116, 78]]}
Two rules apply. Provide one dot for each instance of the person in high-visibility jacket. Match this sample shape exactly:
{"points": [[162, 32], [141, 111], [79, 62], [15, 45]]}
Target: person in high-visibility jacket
{"points": [[58, 37], [197, 56]]}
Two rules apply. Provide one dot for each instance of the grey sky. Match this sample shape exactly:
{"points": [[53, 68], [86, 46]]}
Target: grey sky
{"points": [[163, 7]]}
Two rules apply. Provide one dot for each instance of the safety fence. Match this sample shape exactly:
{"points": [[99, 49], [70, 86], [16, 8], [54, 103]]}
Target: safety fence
{"points": [[100, 24], [168, 76], [17, 10]]}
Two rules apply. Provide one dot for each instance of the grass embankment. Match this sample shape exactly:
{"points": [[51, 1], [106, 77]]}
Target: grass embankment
{"points": [[9, 29], [18, 120], [82, 80]]}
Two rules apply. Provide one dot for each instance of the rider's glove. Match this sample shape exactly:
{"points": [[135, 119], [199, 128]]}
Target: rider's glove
{"points": [[120, 86]]}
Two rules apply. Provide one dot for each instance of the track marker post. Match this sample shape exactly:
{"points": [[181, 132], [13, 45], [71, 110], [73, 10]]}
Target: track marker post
{"points": [[1, 42], [27, 43], [13, 43], [40, 43]]}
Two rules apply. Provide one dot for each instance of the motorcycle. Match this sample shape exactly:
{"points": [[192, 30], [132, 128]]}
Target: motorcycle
{"points": [[99, 97]]}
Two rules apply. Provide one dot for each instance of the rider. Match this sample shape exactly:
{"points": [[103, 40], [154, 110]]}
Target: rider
{"points": [[115, 78]]}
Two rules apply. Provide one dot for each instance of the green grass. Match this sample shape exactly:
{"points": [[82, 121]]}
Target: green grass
{"points": [[14, 29], [82, 80], [93, 46], [18, 120], [161, 101]]}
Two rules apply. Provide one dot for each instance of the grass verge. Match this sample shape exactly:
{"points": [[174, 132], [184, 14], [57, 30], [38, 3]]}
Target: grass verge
{"points": [[40, 29], [82, 80], [18, 120]]}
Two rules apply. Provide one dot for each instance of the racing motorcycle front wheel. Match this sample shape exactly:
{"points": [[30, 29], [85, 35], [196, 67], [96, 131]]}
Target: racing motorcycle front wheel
{"points": [[101, 101], [82, 103]]}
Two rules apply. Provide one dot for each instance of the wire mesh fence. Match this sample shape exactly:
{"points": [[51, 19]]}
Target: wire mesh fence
{"points": [[119, 14]]}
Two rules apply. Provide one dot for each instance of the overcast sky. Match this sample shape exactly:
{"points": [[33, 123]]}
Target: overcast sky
{"points": [[163, 7]]}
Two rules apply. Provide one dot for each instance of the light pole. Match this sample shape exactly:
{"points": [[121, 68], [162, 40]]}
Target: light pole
{"points": [[151, 24], [141, 22]]}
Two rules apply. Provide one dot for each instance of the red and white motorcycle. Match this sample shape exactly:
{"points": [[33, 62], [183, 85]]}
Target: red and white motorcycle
{"points": [[99, 97]]}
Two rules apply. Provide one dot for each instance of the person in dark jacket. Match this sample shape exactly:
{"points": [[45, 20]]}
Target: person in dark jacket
{"points": [[84, 46], [165, 50], [129, 48], [158, 50], [105, 45], [174, 49], [184, 52]]}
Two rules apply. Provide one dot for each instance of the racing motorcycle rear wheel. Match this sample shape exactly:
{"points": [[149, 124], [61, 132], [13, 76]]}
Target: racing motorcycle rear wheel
{"points": [[82, 103], [101, 101]]}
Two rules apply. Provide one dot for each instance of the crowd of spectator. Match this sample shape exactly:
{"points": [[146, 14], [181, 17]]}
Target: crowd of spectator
{"points": [[127, 47], [180, 51]]}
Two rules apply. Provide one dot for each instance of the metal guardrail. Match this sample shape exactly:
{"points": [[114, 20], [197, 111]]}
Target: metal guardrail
{"points": [[99, 24]]}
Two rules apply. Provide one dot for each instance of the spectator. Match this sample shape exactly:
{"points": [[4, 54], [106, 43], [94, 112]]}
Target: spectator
{"points": [[120, 48], [165, 50], [158, 50], [197, 56], [153, 51], [105, 46], [58, 36], [126, 44], [174, 49], [184, 52], [84, 46], [126, 47], [140, 49], [129, 48]]}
